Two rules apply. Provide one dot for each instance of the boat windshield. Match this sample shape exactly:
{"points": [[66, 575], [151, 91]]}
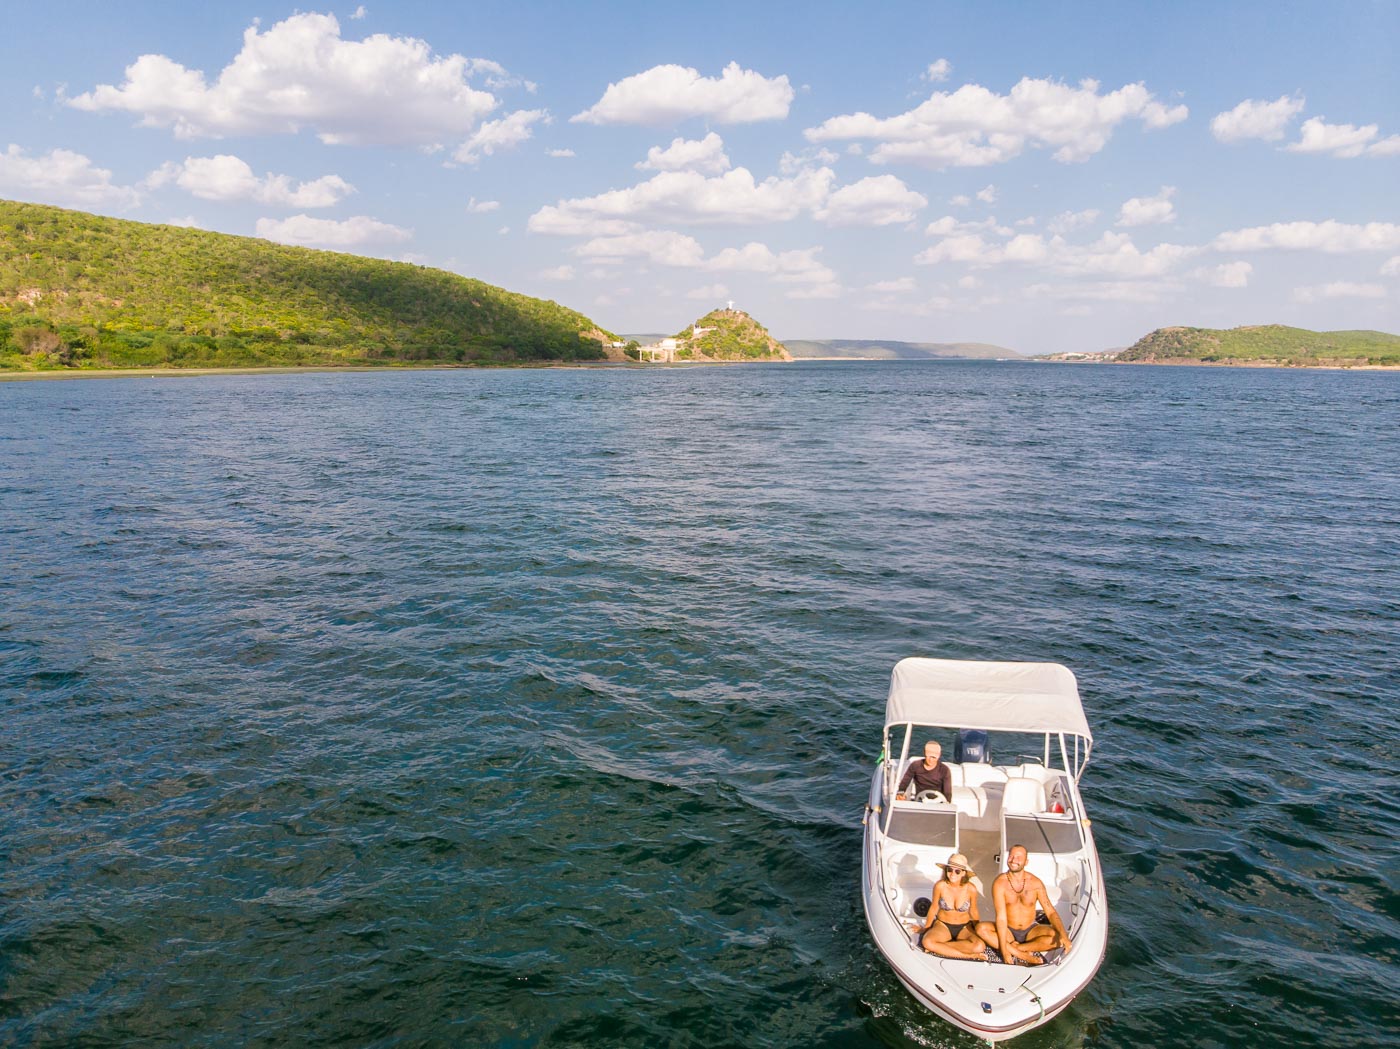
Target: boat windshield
{"points": [[924, 826], [1044, 833]]}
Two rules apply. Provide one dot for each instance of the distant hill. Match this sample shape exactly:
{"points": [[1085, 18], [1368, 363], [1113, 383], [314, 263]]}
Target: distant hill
{"points": [[1265, 344], [884, 350], [728, 335], [80, 290]]}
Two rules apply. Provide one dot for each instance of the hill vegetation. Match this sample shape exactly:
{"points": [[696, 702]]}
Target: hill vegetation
{"points": [[1265, 344], [883, 350], [728, 335], [84, 291]]}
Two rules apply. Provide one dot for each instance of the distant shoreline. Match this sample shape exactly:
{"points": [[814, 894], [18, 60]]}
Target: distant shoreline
{"points": [[177, 373], [1283, 365]]}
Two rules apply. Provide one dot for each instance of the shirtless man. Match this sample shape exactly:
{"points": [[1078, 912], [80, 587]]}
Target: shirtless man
{"points": [[1017, 934]]}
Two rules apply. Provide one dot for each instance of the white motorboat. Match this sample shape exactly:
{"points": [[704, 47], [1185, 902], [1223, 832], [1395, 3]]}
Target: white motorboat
{"points": [[1033, 801]]}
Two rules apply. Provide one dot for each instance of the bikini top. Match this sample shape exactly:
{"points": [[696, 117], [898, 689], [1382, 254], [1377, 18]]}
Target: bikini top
{"points": [[945, 905]]}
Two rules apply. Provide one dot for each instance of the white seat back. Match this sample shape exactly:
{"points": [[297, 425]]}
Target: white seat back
{"points": [[1023, 794], [975, 774], [970, 801]]}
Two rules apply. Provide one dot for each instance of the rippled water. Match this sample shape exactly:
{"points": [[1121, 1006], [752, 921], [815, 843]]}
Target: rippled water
{"points": [[537, 708]]}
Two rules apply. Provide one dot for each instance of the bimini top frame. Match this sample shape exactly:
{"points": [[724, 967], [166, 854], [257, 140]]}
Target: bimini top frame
{"points": [[996, 697]]}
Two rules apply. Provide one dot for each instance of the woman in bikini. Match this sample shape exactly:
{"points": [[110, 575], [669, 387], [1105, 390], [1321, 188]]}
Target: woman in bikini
{"points": [[952, 919]]}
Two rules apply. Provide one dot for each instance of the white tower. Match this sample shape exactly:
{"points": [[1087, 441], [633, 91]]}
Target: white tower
{"points": [[731, 305]]}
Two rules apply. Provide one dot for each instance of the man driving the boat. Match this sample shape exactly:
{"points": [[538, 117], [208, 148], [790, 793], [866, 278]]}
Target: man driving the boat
{"points": [[1017, 933], [929, 774]]}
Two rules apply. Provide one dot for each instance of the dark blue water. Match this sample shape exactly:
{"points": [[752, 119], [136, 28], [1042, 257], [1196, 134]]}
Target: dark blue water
{"points": [[537, 708]]}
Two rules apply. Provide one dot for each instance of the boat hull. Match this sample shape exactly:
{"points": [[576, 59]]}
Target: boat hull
{"points": [[993, 1001]]}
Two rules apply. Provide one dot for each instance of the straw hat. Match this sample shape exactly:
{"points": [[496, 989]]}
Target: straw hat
{"points": [[960, 861]]}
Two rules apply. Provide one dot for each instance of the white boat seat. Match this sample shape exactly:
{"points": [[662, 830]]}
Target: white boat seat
{"points": [[1061, 881], [910, 875], [975, 774], [1023, 794], [970, 801], [1034, 770]]}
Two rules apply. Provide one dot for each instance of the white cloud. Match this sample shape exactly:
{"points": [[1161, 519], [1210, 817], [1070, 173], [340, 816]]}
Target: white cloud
{"points": [[689, 197], [481, 207], [1342, 140], [962, 200], [572, 222], [1148, 211], [505, 133], [1113, 254], [503, 231], [662, 247], [791, 163], [330, 233], [938, 71], [1066, 221], [1340, 289], [224, 177], [704, 155], [62, 177], [1227, 275], [969, 283], [878, 201], [892, 287], [709, 291], [987, 194], [360, 13], [1254, 119], [948, 225], [973, 126], [1332, 237], [188, 222], [561, 153], [799, 266], [1391, 267], [667, 94], [558, 273], [300, 74]]}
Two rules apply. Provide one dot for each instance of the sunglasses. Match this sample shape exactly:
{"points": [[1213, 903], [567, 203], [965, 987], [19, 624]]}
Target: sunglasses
{"points": [[957, 870]]}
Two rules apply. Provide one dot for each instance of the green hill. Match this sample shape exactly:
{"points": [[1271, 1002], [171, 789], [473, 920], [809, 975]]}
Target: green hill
{"points": [[84, 291], [1265, 344], [885, 350], [729, 335]]}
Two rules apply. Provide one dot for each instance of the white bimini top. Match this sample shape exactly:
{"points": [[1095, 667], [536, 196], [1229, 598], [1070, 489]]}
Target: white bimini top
{"points": [[997, 697]]}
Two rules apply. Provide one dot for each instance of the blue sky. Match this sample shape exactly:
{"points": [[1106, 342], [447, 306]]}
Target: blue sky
{"points": [[1041, 176]]}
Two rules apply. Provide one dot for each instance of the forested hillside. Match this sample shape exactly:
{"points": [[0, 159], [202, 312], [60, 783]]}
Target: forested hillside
{"points": [[85, 291], [729, 335], [1265, 344]]}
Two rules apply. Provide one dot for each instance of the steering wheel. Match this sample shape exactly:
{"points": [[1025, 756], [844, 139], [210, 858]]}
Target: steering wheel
{"points": [[931, 795]]}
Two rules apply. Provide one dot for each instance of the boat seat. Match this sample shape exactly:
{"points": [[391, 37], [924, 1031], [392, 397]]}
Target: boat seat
{"points": [[1034, 770], [970, 801], [910, 875], [1061, 881], [975, 774], [1023, 794]]}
